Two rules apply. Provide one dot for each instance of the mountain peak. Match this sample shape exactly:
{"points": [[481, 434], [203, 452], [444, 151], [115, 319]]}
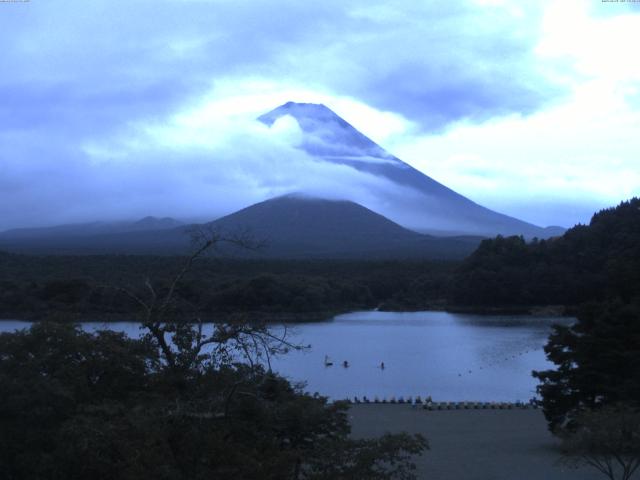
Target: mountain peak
{"points": [[307, 107], [327, 135], [301, 112]]}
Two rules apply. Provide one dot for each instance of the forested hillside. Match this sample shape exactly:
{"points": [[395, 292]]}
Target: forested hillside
{"points": [[589, 262]]}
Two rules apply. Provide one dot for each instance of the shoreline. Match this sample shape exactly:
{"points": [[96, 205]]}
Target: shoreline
{"points": [[533, 310], [429, 405], [298, 317]]}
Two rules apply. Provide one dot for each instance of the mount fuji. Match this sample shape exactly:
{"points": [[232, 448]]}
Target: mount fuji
{"points": [[417, 202]]}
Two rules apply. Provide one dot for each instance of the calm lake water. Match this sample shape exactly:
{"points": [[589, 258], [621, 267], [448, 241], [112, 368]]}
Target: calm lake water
{"points": [[451, 357]]}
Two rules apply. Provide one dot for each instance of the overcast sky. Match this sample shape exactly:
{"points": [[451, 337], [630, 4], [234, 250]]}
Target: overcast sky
{"points": [[112, 109]]}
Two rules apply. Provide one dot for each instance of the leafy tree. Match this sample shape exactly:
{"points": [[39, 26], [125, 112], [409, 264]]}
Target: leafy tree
{"points": [[49, 376], [75, 405], [597, 362]]}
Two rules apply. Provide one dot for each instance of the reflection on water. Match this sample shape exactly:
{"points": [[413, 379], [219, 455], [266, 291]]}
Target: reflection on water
{"points": [[448, 356]]}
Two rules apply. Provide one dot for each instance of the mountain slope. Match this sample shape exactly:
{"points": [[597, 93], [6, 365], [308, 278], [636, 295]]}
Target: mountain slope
{"points": [[421, 203]]}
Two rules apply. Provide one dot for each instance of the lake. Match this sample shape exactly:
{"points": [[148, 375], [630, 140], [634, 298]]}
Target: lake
{"points": [[451, 357]]}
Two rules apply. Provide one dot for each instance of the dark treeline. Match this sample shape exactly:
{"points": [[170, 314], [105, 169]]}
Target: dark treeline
{"points": [[589, 262], [83, 287]]}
